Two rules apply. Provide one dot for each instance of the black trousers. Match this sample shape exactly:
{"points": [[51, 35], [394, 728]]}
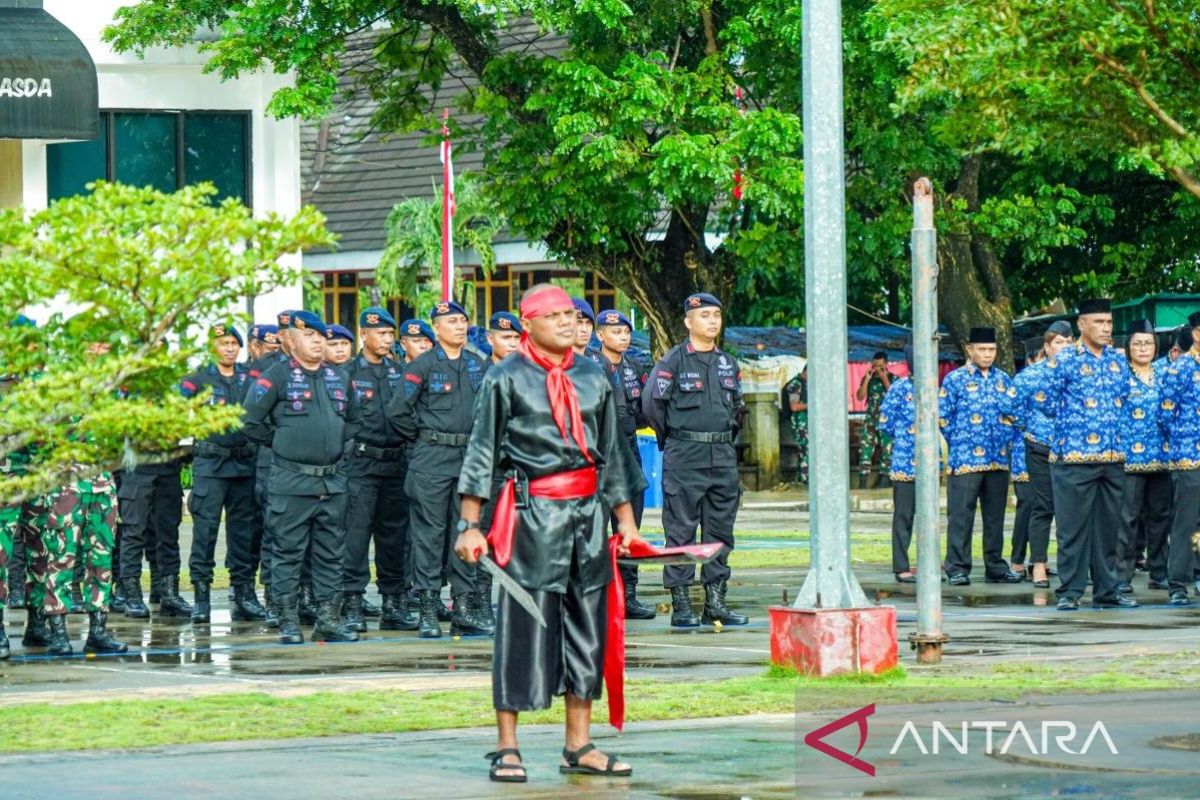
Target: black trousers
{"points": [[629, 572], [704, 498], [210, 498], [301, 522], [1020, 533], [151, 509], [1041, 513], [1087, 500], [532, 665], [1146, 506], [377, 510], [1185, 518], [989, 492], [904, 508], [434, 507]]}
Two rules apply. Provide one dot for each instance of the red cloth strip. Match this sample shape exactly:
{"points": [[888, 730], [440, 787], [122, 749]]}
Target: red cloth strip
{"points": [[571, 485], [564, 402], [546, 301], [614, 646]]}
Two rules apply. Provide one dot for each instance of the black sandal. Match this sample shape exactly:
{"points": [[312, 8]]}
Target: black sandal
{"points": [[573, 767], [497, 759]]}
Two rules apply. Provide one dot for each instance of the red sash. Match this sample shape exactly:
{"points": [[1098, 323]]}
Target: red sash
{"points": [[572, 485]]}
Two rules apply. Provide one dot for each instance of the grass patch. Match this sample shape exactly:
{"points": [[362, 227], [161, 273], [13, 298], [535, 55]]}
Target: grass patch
{"points": [[234, 717]]}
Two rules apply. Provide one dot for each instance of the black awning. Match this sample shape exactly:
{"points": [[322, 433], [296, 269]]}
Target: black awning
{"points": [[47, 78]]}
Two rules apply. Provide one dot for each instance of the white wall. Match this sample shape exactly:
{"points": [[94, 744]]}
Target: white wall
{"points": [[172, 80]]}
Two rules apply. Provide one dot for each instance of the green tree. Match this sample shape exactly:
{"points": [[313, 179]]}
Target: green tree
{"points": [[140, 275]]}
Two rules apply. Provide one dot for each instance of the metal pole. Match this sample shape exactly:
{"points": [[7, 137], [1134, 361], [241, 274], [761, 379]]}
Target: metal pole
{"points": [[830, 583], [929, 638]]}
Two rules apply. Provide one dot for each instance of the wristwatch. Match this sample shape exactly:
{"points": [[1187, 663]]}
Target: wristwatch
{"points": [[463, 526]]}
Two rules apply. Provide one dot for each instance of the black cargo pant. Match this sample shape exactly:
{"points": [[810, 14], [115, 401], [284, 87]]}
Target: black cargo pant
{"points": [[706, 498], [377, 510], [629, 572], [904, 508], [304, 523], [151, 507], [1146, 506], [434, 507], [264, 548], [1185, 518], [1087, 502], [235, 498], [989, 492]]}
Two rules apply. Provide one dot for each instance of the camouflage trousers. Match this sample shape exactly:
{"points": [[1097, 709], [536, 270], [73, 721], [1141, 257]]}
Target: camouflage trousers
{"points": [[873, 441], [799, 422], [79, 525], [20, 522]]}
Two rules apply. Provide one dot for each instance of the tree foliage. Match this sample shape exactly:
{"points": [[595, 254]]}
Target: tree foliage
{"points": [[144, 274]]}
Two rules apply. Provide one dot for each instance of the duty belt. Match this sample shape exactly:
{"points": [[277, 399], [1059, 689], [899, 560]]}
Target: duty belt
{"points": [[362, 450], [311, 470], [210, 449], [713, 437], [449, 439]]}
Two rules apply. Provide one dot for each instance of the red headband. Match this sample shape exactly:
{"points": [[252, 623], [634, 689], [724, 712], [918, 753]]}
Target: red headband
{"points": [[547, 301]]}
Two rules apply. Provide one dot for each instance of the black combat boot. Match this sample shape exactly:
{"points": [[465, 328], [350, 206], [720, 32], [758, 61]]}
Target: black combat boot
{"points": [[117, 604], [76, 606], [411, 613], [272, 618], [444, 613], [634, 608], [171, 604], [682, 615], [329, 627], [135, 608], [483, 599], [464, 621], [60, 640], [37, 634], [394, 614], [289, 619], [202, 610], [428, 625], [5, 650], [99, 640], [246, 607], [155, 589], [369, 608], [352, 613], [715, 609], [308, 606]]}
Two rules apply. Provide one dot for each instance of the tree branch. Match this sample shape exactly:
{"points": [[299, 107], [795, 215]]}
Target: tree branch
{"points": [[1133, 82]]}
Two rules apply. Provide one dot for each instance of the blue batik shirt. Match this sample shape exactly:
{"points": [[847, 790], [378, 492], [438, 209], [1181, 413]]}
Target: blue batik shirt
{"points": [[1084, 395], [970, 414], [1024, 404], [1179, 410], [1020, 472], [1146, 448], [897, 418]]}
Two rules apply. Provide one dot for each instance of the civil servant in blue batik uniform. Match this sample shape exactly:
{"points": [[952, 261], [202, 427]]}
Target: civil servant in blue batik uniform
{"points": [[1179, 415]]}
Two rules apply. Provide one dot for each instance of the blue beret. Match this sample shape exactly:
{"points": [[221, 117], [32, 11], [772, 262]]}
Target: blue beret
{"points": [[223, 329], [302, 320], [505, 321], [445, 308], [284, 318], [339, 332], [614, 318], [700, 300], [584, 308], [265, 333], [416, 327], [376, 317]]}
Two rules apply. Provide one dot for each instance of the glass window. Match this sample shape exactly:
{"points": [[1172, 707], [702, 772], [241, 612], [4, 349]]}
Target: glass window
{"points": [[71, 166], [145, 150], [214, 150]]}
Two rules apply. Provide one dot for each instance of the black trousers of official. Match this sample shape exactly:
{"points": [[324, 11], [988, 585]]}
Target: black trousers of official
{"points": [[301, 522], [1041, 512], [377, 510], [904, 508], [151, 509], [234, 497], [1087, 502], [1020, 532], [1185, 518], [629, 572], [705, 498], [1146, 506], [964, 493], [434, 507]]}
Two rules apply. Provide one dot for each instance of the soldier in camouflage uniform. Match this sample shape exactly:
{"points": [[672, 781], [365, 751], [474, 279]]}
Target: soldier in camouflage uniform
{"points": [[15, 520], [872, 440], [797, 403]]}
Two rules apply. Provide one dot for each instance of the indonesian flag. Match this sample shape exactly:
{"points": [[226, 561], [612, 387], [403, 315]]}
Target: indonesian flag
{"points": [[447, 211]]}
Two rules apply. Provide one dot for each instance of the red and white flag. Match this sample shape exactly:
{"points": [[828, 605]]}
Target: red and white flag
{"points": [[447, 211]]}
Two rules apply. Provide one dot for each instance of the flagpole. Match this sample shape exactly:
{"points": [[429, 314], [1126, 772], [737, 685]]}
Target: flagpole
{"points": [[447, 210]]}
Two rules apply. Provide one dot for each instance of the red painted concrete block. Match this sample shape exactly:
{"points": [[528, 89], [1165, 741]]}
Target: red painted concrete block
{"points": [[828, 641]]}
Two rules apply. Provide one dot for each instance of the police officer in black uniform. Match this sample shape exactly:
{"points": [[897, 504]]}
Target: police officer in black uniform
{"points": [[375, 467], [434, 414], [629, 379], [150, 500], [223, 482], [262, 471], [305, 411], [695, 406]]}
